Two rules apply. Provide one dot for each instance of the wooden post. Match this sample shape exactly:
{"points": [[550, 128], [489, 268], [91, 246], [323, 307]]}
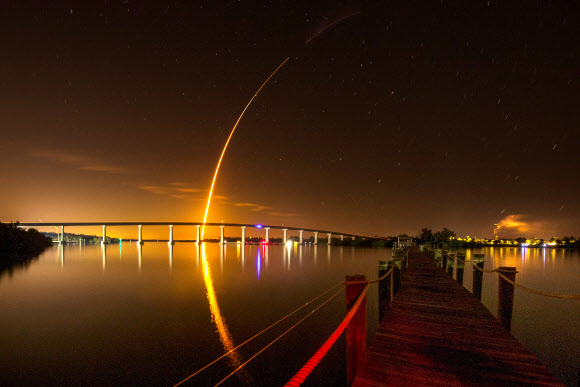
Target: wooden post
{"points": [[450, 263], [396, 276], [477, 279], [460, 270], [437, 256], [391, 282], [505, 292], [356, 330], [384, 296], [444, 260]]}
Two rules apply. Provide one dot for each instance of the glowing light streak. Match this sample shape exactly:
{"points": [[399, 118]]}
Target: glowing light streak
{"points": [[350, 13], [259, 264], [226, 146], [224, 333]]}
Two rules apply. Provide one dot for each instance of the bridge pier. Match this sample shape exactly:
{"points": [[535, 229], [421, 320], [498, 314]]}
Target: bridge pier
{"points": [[140, 241], [285, 234], [352, 238], [61, 240], [222, 235], [342, 238], [329, 238], [301, 238], [171, 234], [267, 235], [104, 241], [198, 235], [243, 236], [315, 238]]}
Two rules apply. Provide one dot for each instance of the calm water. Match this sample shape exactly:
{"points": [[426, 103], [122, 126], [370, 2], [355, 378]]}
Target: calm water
{"points": [[155, 315]]}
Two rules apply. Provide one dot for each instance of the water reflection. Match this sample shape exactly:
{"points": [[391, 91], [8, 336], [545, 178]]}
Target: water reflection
{"points": [[60, 255], [259, 263], [104, 252], [243, 251], [132, 309], [140, 252], [217, 318], [222, 251], [197, 254], [315, 255]]}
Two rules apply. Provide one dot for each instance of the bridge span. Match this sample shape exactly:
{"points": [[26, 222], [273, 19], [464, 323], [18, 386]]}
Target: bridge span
{"points": [[222, 226]]}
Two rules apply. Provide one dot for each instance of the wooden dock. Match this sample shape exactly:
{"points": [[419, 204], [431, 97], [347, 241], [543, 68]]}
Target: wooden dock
{"points": [[437, 333]]}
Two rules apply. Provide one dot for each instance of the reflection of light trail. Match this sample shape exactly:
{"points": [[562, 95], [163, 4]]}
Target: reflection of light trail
{"points": [[227, 142], [258, 264], [225, 336]]}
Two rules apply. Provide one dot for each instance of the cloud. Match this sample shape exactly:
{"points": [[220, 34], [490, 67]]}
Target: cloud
{"points": [[280, 214], [253, 207], [178, 191], [264, 209], [517, 224], [79, 162], [189, 190], [155, 189]]}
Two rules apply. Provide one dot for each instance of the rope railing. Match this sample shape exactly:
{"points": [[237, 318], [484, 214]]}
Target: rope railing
{"points": [[307, 369], [311, 364], [373, 281], [263, 331], [534, 291], [277, 338], [539, 292]]}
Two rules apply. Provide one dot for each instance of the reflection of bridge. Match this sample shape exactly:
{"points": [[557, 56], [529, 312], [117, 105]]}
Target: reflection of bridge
{"points": [[222, 226]]}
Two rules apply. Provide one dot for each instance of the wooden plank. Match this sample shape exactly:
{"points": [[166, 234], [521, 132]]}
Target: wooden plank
{"points": [[437, 333]]}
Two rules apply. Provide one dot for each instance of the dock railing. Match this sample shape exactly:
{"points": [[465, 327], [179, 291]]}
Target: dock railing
{"points": [[506, 281], [357, 286], [355, 322]]}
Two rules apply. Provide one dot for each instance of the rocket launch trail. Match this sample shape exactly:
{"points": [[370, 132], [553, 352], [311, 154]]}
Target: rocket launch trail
{"points": [[226, 146]]}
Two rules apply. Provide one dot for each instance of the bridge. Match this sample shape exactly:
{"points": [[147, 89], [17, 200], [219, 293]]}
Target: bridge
{"points": [[222, 226]]}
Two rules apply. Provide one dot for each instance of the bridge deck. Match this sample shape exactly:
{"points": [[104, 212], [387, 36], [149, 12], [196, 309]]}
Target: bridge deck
{"points": [[437, 333]]}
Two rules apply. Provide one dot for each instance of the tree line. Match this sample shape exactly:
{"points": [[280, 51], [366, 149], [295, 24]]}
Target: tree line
{"points": [[19, 246]]}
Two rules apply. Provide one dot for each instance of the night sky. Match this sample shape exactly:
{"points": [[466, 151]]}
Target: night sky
{"points": [[399, 115]]}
